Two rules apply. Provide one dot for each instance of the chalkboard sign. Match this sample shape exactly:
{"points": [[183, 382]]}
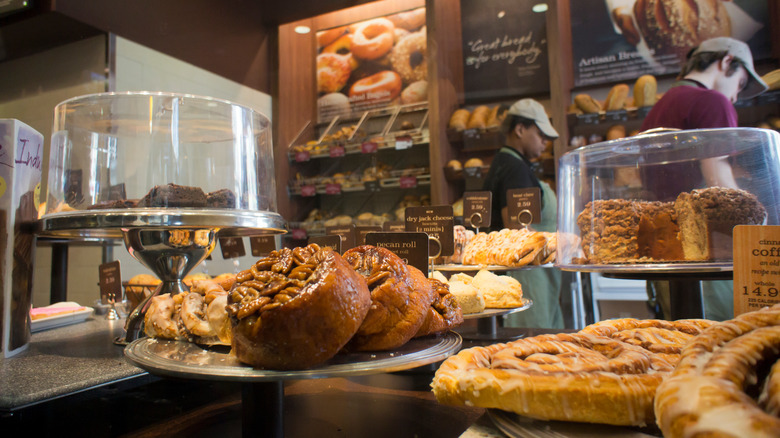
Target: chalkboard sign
{"points": [[504, 49]]}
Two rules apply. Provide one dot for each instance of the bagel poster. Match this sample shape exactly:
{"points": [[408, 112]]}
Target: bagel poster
{"points": [[372, 64], [616, 40]]}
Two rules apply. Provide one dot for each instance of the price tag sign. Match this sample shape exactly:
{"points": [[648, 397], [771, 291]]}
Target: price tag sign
{"points": [[302, 156], [372, 186], [308, 190], [333, 241], [110, 282], [403, 142], [616, 116], [438, 222], [360, 233], [262, 245], [369, 147], [408, 182], [524, 207], [298, 233], [477, 209], [336, 151], [411, 247], [332, 189], [232, 247], [117, 192], [756, 267], [396, 226], [347, 233]]}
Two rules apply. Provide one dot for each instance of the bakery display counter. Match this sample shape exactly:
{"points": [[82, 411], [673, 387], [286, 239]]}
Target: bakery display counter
{"points": [[688, 190]]}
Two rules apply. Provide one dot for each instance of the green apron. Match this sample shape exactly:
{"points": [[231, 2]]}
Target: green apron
{"points": [[541, 285]]}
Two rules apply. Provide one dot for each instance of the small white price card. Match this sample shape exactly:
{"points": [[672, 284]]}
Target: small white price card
{"points": [[756, 267]]}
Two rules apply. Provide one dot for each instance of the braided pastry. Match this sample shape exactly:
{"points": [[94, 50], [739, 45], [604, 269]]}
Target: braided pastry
{"points": [[400, 298], [570, 377], [711, 391], [295, 309]]}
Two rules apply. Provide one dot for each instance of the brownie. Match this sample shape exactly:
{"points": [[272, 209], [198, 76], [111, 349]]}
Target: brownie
{"points": [[173, 195], [223, 198]]}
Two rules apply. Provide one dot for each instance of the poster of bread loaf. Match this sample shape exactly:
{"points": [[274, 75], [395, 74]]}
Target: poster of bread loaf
{"points": [[370, 64], [615, 40]]}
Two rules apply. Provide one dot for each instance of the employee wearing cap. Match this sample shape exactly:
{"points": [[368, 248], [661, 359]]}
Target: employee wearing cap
{"points": [[527, 127], [717, 73]]}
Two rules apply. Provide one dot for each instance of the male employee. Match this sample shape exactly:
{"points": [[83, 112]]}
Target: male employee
{"points": [[717, 73], [527, 127]]}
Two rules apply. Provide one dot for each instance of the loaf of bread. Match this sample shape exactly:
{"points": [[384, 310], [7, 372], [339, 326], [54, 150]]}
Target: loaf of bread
{"points": [[676, 26], [587, 104], [615, 132], [645, 89], [459, 119], [479, 117], [616, 98]]}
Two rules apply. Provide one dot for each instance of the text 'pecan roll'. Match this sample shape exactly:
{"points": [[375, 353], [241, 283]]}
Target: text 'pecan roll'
{"points": [[400, 298], [295, 309]]}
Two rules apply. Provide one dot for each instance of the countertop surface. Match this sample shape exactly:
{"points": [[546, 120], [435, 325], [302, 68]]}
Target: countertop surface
{"points": [[64, 361]]}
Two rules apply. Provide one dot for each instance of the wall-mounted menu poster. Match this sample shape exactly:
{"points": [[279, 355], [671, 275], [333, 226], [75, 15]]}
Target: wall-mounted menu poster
{"points": [[504, 49], [376, 63], [617, 40]]}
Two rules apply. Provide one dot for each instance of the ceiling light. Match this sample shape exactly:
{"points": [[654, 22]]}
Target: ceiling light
{"points": [[539, 7], [501, 14], [302, 29]]}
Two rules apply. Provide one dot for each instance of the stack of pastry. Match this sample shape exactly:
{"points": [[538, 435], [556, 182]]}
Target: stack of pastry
{"points": [[485, 290], [607, 373], [510, 248], [727, 382]]}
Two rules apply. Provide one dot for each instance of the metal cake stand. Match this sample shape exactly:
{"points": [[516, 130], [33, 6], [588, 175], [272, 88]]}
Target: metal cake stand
{"points": [[168, 241]]}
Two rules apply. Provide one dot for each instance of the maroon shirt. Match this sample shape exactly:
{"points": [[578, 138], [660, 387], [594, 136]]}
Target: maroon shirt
{"points": [[687, 105], [690, 105]]}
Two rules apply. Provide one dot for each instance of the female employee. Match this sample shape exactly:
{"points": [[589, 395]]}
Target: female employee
{"points": [[527, 127]]}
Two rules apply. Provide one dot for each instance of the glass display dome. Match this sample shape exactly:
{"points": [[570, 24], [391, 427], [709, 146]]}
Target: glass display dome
{"points": [[666, 199]]}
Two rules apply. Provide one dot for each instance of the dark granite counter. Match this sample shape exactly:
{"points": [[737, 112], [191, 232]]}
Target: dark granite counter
{"points": [[64, 361]]}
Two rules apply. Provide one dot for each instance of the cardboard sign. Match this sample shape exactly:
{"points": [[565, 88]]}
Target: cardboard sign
{"points": [[360, 233], [395, 226], [756, 267], [298, 233], [262, 245], [347, 233], [477, 209], [232, 247], [336, 151], [524, 207], [407, 182], [411, 247], [110, 279], [438, 222], [332, 189], [333, 241], [117, 192]]}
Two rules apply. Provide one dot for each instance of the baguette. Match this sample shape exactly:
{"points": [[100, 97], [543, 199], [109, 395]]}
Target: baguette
{"points": [[478, 118], [587, 104], [459, 119], [645, 89], [616, 99]]}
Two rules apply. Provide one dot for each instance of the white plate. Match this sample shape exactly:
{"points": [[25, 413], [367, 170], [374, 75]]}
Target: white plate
{"points": [[55, 321]]}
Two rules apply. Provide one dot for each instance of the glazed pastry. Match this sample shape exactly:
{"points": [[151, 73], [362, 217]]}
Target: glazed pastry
{"points": [[507, 247], [445, 312], [295, 309], [712, 392], [569, 377], [400, 298]]}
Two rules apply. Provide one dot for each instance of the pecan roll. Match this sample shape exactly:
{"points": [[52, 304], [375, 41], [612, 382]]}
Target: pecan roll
{"points": [[445, 312], [400, 298], [295, 309]]}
